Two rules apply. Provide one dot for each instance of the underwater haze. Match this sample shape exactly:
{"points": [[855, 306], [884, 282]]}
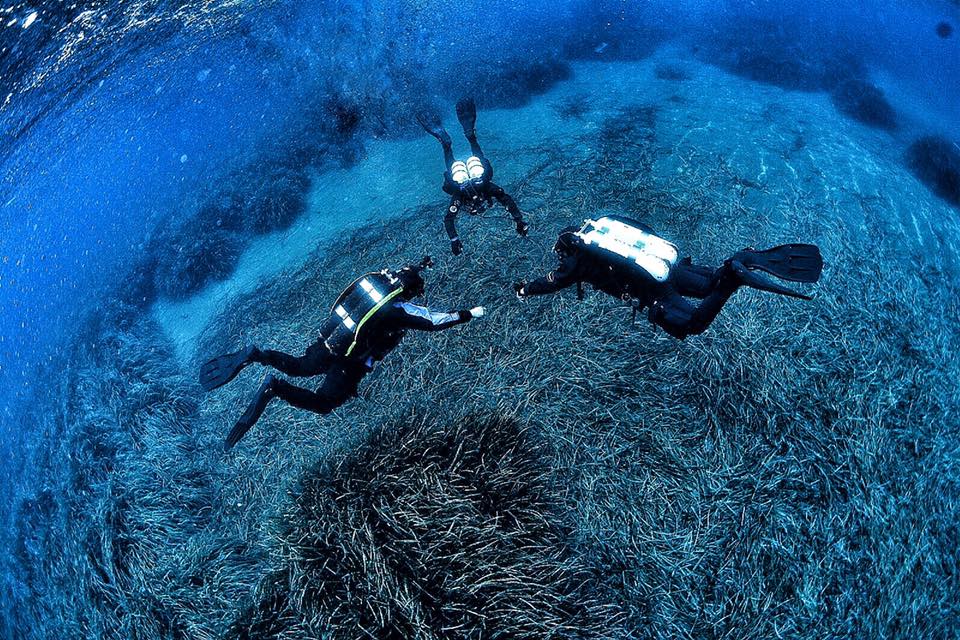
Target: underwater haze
{"points": [[184, 179]]}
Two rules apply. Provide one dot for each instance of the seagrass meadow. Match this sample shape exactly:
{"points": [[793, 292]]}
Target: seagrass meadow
{"points": [[554, 469]]}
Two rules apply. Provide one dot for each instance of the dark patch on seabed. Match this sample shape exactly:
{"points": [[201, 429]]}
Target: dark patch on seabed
{"points": [[782, 52], [936, 161], [421, 531], [864, 102]]}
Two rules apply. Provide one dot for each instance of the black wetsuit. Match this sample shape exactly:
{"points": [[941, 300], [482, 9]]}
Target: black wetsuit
{"points": [[667, 307], [474, 197], [343, 374]]}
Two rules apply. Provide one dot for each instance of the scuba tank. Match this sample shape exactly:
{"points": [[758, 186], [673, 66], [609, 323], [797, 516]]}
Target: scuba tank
{"points": [[627, 247], [459, 173], [475, 168], [357, 308]]}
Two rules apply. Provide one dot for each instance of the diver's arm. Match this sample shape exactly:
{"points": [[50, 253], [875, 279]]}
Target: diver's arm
{"points": [[413, 316], [506, 200], [449, 223], [562, 277], [449, 220]]}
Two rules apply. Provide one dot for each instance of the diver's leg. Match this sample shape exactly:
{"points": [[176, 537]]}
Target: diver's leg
{"points": [[475, 146], [475, 149], [672, 314], [339, 386], [314, 362], [708, 310], [693, 280], [304, 398], [255, 409], [448, 158], [467, 115], [680, 319], [431, 124]]}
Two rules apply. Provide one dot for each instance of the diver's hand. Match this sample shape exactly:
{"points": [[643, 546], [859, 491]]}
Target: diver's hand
{"points": [[456, 247], [477, 312], [520, 289]]}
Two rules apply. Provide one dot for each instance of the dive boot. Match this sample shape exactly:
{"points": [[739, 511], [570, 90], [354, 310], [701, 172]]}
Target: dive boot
{"points": [[218, 371], [467, 115], [249, 418], [794, 262], [431, 124]]}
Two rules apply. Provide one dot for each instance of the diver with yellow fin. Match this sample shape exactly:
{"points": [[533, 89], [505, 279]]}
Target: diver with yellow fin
{"points": [[469, 183], [626, 259], [368, 321]]}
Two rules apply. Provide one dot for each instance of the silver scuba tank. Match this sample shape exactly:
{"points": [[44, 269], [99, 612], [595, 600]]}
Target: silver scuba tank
{"points": [[624, 243]]}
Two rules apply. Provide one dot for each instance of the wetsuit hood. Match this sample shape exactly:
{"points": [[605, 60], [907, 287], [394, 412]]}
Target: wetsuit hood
{"points": [[411, 278], [413, 284], [567, 241]]}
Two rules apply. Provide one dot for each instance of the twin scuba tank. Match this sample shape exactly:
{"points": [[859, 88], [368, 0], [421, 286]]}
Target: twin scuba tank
{"points": [[467, 173], [356, 311], [627, 247]]}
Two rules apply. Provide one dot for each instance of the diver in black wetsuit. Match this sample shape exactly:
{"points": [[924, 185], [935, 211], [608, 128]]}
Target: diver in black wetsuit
{"points": [[625, 259], [368, 321], [470, 184]]}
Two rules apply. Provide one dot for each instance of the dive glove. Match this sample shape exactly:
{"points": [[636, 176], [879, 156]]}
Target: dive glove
{"points": [[518, 289]]}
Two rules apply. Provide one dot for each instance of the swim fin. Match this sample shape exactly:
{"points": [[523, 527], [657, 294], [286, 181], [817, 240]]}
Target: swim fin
{"points": [[754, 280], [432, 124], [794, 262], [218, 371], [249, 418], [467, 115]]}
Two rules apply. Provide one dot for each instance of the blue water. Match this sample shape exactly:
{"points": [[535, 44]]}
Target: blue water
{"points": [[118, 119]]}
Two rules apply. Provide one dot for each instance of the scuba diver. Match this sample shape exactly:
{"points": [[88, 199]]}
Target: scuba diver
{"points": [[368, 320], [626, 259], [470, 184]]}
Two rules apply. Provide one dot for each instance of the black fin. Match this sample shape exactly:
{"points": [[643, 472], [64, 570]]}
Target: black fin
{"points": [[218, 371], [432, 124], [756, 281], [252, 414], [794, 262], [467, 115]]}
